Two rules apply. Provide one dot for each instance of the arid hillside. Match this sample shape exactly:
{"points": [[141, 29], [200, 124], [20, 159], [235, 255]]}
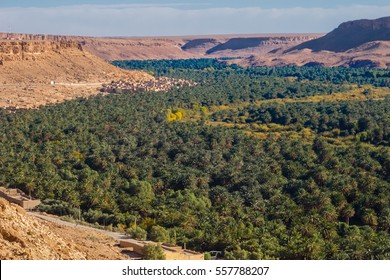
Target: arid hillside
{"points": [[23, 237], [349, 35], [132, 48], [360, 43], [190, 47], [369, 55], [38, 72], [44, 69], [46, 61]]}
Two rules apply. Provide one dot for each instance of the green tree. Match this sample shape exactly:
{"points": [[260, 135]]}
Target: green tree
{"points": [[137, 233], [153, 252], [158, 234]]}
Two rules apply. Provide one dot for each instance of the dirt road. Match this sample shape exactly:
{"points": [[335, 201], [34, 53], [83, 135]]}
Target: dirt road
{"points": [[115, 235]]}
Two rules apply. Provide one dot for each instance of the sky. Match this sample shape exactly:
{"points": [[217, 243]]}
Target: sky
{"points": [[188, 17]]}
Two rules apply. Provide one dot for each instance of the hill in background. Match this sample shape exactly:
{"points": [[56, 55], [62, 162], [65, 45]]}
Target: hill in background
{"points": [[38, 72], [360, 43], [349, 35]]}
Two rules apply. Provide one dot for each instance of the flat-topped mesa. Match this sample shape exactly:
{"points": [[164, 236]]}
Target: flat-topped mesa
{"points": [[259, 43], [11, 50]]}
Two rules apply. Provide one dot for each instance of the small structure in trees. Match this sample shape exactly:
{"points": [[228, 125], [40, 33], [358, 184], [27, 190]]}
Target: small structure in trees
{"points": [[18, 197]]}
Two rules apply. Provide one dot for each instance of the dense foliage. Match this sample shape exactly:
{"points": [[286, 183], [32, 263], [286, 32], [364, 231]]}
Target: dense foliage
{"points": [[212, 187], [336, 75], [367, 121]]}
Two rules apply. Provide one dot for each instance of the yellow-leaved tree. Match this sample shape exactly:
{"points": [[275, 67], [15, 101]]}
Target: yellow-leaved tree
{"points": [[175, 114]]}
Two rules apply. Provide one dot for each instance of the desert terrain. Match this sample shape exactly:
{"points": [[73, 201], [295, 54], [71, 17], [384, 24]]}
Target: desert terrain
{"points": [[175, 47], [37, 70], [24, 237], [40, 72], [358, 43]]}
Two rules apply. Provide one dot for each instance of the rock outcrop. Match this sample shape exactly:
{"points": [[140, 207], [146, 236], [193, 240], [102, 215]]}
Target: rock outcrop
{"points": [[174, 47], [190, 46], [350, 35], [23, 237], [60, 61], [32, 50], [360, 43], [39, 72], [260, 44], [26, 238]]}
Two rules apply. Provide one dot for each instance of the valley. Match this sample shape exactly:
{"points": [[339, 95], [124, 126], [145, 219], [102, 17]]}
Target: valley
{"points": [[273, 146]]}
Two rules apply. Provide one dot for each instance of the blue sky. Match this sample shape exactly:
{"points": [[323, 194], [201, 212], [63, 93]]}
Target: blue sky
{"points": [[174, 17]]}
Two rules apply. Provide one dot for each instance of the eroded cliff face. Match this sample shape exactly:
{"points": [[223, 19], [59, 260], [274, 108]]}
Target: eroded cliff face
{"points": [[256, 45], [174, 47], [349, 35], [34, 37], [39, 72], [11, 50], [190, 46], [60, 60]]}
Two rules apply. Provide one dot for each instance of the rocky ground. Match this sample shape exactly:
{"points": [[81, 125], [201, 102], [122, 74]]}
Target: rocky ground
{"points": [[23, 237], [35, 73]]}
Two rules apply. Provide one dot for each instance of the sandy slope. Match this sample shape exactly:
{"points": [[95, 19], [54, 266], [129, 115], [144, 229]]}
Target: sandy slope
{"points": [[372, 54], [28, 67], [25, 238]]}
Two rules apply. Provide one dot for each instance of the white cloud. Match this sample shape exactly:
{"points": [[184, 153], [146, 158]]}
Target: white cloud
{"points": [[152, 20]]}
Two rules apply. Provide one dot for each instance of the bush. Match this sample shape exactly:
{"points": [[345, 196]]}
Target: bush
{"points": [[153, 252], [158, 234], [137, 233]]}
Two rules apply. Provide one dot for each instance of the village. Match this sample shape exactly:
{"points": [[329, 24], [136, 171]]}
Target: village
{"points": [[161, 84]]}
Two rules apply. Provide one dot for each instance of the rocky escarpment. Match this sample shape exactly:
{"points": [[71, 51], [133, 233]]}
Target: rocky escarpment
{"points": [[200, 43], [63, 61], [174, 47], [350, 35], [11, 50], [267, 43], [35, 37], [40, 72], [360, 44]]}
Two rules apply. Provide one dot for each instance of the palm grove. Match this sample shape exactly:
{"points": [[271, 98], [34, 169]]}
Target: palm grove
{"points": [[259, 163]]}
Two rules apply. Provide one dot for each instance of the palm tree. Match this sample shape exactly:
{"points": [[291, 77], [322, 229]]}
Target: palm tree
{"points": [[370, 218], [30, 187], [347, 212]]}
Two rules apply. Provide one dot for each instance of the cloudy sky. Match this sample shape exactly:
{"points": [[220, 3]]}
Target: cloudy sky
{"points": [[174, 17]]}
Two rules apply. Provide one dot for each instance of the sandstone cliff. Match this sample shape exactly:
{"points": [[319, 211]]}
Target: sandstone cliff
{"points": [[360, 43], [32, 50], [39, 72], [190, 46], [174, 47], [60, 61]]}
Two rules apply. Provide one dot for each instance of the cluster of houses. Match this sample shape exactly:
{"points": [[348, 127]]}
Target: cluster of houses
{"points": [[161, 84]]}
